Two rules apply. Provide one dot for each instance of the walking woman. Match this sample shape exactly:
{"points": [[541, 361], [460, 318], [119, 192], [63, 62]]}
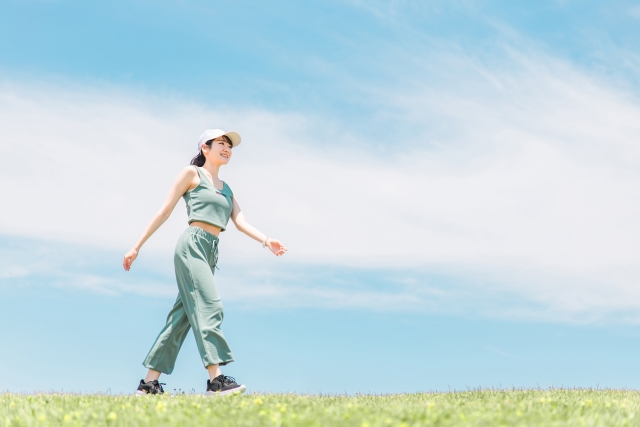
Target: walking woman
{"points": [[210, 204]]}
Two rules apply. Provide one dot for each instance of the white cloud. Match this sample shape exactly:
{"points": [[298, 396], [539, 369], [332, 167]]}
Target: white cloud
{"points": [[109, 286], [523, 175], [13, 272]]}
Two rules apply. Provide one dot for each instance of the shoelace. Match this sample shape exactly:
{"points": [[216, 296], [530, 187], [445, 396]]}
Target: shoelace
{"points": [[158, 386], [226, 380]]}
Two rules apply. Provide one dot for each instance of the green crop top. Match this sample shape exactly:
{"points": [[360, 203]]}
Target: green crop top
{"points": [[208, 204]]}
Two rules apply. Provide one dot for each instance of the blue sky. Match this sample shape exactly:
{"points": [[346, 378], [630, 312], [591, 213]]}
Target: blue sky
{"points": [[457, 183]]}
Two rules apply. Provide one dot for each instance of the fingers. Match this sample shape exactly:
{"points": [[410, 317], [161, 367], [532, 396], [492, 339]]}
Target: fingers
{"points": [[277, 247], [281, 249], [129, 257], [128, 260]]}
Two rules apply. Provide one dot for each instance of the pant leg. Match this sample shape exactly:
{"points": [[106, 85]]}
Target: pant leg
{"points": [[194, 263], [164, 351]]}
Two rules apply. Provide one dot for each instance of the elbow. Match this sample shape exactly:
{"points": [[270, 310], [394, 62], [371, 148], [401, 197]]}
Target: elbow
{"points": [[240, 226], [163, 215]]}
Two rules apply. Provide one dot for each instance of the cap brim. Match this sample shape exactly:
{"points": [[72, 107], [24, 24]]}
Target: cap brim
{"points": [[234, 137]]}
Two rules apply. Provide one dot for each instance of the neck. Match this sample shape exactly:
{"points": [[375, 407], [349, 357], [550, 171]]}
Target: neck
{"points": [[212, 169]]}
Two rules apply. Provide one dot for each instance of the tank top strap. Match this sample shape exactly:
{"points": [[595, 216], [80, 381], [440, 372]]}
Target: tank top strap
{"points": [[226, 188], [203, 179]]}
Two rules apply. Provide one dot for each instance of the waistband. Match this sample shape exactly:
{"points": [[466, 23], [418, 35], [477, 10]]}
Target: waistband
{"points": [[200, 232]]}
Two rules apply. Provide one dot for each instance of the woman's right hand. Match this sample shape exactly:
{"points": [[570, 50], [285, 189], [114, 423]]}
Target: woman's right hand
{"points": [[129, 257]]}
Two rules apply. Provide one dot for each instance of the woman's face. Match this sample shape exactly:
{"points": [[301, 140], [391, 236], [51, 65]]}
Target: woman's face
{"points": [[219, 153]]}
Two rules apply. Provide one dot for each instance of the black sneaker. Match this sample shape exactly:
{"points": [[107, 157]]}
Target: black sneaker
{"points": [[151, 387], [223, 385]]}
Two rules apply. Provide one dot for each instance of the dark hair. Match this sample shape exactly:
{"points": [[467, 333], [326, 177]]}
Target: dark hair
{"points": [[199, 160]]}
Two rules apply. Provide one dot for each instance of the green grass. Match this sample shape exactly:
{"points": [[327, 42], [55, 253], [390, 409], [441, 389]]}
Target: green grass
{"points": [[555, 407]]}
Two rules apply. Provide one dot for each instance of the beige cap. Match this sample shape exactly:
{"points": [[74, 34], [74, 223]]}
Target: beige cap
{"points": [[210, 134]]}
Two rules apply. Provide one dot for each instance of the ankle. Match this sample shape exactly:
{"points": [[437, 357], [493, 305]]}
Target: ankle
{"points": [[152, 375]]}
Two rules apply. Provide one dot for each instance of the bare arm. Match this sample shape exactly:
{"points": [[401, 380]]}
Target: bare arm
{"points": [[179, 187], [242, 225]]}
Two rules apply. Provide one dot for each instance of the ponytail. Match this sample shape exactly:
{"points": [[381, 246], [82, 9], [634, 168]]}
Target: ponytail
{"points": [[200, 159]]}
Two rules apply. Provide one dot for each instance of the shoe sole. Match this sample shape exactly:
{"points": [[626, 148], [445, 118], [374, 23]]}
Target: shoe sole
{"points": [[237, 390], [144, 393]]}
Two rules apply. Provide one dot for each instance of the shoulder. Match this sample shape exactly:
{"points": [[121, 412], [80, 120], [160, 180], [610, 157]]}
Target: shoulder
{"points": [[187, 178], [191, 169], [189, 172]]}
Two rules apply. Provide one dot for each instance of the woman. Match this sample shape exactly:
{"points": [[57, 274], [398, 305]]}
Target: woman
{"points": [[210, 204]]}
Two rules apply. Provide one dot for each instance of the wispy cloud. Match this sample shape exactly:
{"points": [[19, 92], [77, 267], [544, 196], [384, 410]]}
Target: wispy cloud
{"points": [[521, 172], [13, 272]]}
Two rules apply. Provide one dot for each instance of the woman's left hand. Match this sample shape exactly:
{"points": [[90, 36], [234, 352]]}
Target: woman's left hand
{"points": [[276, 246]]}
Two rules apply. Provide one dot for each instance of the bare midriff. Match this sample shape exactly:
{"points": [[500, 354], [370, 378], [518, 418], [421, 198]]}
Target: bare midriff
{"points": [[207, 227]]}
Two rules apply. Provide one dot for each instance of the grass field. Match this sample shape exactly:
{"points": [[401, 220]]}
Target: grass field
{"points": [[554, 407]]}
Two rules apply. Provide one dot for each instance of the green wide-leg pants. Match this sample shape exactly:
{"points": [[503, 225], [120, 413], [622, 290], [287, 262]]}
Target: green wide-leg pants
{"points": [[198, 306]]}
